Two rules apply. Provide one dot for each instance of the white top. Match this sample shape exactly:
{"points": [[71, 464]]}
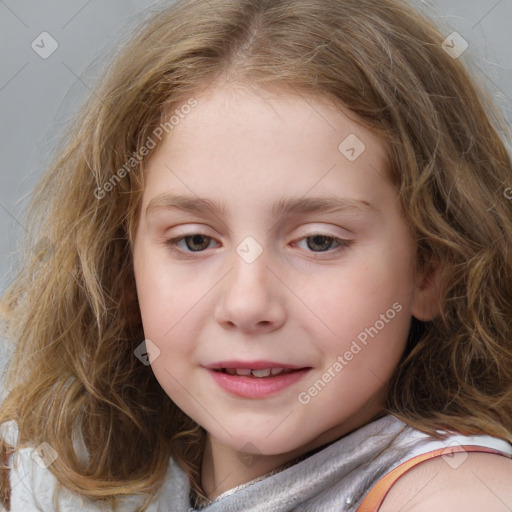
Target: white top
{"points": [[33, 484]]}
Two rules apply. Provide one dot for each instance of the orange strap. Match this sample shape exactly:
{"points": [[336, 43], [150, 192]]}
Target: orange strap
{"points": [[378, 492]]}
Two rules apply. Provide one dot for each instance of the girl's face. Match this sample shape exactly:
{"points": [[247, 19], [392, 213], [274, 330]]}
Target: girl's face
{"points": [[270, 238]]}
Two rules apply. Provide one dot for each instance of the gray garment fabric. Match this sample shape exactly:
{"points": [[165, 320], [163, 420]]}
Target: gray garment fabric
{"points": [[334, 479]]}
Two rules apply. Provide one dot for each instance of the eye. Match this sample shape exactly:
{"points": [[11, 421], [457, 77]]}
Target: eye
{"points": [[193, 243], [197, 242], [321, 243]]}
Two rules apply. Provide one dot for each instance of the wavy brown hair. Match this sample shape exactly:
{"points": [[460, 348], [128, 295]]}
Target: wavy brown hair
{"points": [[71, 312]]}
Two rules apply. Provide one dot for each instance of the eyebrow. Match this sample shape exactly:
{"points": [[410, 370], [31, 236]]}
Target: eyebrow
{"points": [[282, 207]]}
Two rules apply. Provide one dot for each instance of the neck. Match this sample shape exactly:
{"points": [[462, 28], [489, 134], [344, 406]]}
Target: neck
{"points": [[224, 468]]}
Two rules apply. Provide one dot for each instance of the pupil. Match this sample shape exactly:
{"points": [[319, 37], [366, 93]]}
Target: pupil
{"points": [[196, 240], [324, 246]]}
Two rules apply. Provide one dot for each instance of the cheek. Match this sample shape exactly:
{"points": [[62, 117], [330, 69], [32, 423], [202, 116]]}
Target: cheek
{"points": [[366, 306], [164, 294], [168, 300], [354, 297], [165, 314]]}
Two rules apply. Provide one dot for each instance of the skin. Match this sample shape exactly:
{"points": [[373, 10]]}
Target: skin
{"points": [[295, 303], [480, 482]]}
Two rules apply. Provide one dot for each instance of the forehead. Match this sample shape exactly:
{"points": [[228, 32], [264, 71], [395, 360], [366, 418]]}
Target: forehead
{"points": [[242, 140], [274, 117]]}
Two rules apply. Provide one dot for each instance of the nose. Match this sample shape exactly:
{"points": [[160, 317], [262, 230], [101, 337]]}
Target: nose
{"points": [[252, 297]]}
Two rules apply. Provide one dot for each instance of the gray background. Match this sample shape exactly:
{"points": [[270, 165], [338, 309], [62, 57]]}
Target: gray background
{"points": [[39, 96]]}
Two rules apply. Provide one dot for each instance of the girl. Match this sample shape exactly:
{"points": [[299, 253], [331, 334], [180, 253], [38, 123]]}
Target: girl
{"points": [[273, 274]]}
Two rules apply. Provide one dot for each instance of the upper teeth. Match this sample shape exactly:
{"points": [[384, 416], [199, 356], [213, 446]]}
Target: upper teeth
{"points": [[256, 373]]}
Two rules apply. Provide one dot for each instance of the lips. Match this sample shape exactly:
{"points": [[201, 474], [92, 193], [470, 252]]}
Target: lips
{"points": [[255, 379]]}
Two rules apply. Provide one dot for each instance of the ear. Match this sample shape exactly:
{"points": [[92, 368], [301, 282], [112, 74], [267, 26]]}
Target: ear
{"points": [[425, 304]]}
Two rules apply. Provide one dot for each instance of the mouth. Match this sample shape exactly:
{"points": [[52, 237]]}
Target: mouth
{"points": [[257, 374], [259, 369], [256, 379]]}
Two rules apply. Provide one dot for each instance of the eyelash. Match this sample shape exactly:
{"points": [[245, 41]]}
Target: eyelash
{"points": [[172, 244]]}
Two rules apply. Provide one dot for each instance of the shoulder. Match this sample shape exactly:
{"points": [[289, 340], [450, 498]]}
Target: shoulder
{"points": [[469, 481]]}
